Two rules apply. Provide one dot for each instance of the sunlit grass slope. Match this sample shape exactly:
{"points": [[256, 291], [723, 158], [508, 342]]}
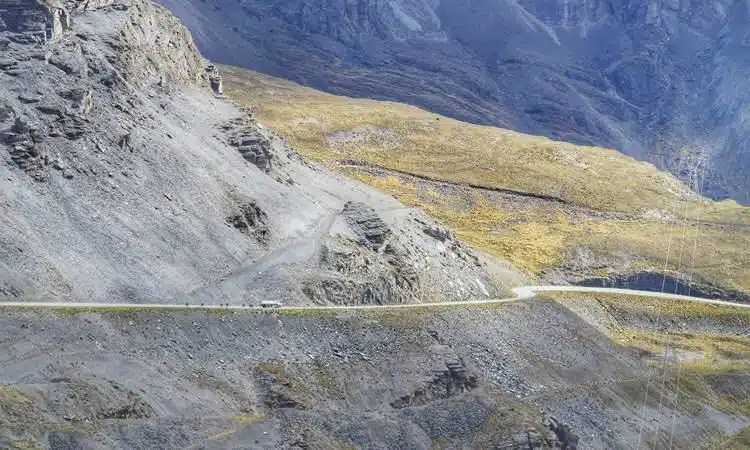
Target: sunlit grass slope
{"points": [[575, 200]]}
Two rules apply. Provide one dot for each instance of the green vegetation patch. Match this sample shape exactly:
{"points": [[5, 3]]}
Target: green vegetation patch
{"points": [[509, 416], [655, 306], [739, 441], [25, 445], [307, 383], [11, 398], [240, 421], [696, 351]]}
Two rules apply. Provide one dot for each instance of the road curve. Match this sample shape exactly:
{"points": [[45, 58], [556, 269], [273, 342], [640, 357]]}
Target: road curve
{"points": [[521, 292]]}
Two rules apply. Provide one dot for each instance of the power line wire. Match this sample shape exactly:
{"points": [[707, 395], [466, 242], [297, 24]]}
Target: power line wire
{"points": [[669, 341], [659, 311], [700, 182]]}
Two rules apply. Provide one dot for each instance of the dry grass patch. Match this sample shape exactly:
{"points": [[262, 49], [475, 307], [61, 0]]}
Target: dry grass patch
{"points": [[699, 351], [328, 128], [656, 306], [713, 352], [740, 441], [407, 138], [537, 238]]}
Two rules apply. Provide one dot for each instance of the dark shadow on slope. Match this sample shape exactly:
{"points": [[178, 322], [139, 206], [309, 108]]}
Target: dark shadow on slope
{"points": [[658, 282]]}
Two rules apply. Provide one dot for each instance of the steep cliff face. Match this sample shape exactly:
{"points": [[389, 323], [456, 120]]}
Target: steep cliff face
{"points": [[125, 177], [650, 78]]}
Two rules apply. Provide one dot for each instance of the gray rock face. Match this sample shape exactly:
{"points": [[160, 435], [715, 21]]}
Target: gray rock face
{"points": [[251, 220], [125, 177], [650, 78], [381, 267], [181, 379]]}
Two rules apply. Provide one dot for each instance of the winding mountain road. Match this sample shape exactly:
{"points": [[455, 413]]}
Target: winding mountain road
{"points": [[522, 293]]}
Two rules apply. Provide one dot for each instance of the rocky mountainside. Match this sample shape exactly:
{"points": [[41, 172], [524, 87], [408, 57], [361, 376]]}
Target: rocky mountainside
{"points": [[125, 177], [660, 80], [518, 376]]}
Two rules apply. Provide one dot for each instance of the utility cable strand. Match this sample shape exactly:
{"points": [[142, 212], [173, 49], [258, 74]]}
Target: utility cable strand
{"points": [[700, 182], [669, 341], [658, 315]]}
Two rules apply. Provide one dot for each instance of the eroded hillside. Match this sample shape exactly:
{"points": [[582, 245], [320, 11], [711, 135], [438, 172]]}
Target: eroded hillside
{"points": [[499, 376], [561, 211], [125, 177]]}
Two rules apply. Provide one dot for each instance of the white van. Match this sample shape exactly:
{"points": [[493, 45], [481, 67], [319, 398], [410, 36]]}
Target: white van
{"points": [[270, 304]]}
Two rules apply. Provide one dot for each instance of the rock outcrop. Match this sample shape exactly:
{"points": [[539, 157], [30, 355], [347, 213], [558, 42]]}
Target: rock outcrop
{"points": [[252, 221], [448, 382], [373, 257], [215, 78]]}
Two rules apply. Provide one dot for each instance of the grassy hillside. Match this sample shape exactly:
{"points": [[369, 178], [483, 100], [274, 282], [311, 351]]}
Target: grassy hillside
{"points": [[538, 203], [711, 338]]}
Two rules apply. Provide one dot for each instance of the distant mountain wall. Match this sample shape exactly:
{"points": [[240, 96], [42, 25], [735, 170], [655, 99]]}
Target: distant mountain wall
{"points": [[650, 78]]}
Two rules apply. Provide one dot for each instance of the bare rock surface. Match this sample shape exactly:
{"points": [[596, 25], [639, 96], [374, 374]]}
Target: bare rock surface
{"points": [[126, 177], [496, 377]]}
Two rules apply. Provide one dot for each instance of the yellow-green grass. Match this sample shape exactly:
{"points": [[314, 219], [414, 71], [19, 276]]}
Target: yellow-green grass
{"points": [[290, 375], [410, 140], [657, 306], [241, 421], [536, 238], [424, 143], [25, 445], [696, 390], [712, 352], [705, 358], [11, 398], [739, 441]]}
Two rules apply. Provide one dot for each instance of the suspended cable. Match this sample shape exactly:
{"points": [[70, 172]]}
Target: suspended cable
{"points": [[659, 311], [669, 341], [700, 182]]}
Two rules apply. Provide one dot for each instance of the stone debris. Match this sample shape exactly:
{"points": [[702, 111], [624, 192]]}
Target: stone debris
{"points": [[252, 221], [256, 145], [215, 79], [451, 381], [371, 229], [441, 234], [257, 150], [27, 151]]}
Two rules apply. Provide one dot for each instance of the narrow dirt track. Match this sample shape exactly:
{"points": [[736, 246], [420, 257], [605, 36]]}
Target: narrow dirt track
{"points": [[522, 293]]}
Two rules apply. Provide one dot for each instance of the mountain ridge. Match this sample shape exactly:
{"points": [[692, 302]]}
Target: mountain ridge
{"points": [[651, 79]]}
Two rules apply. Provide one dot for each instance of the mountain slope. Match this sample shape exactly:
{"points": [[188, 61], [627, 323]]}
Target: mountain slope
{"points": [[546, 206], [466, 377], [124, 178], [647, 78]]}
